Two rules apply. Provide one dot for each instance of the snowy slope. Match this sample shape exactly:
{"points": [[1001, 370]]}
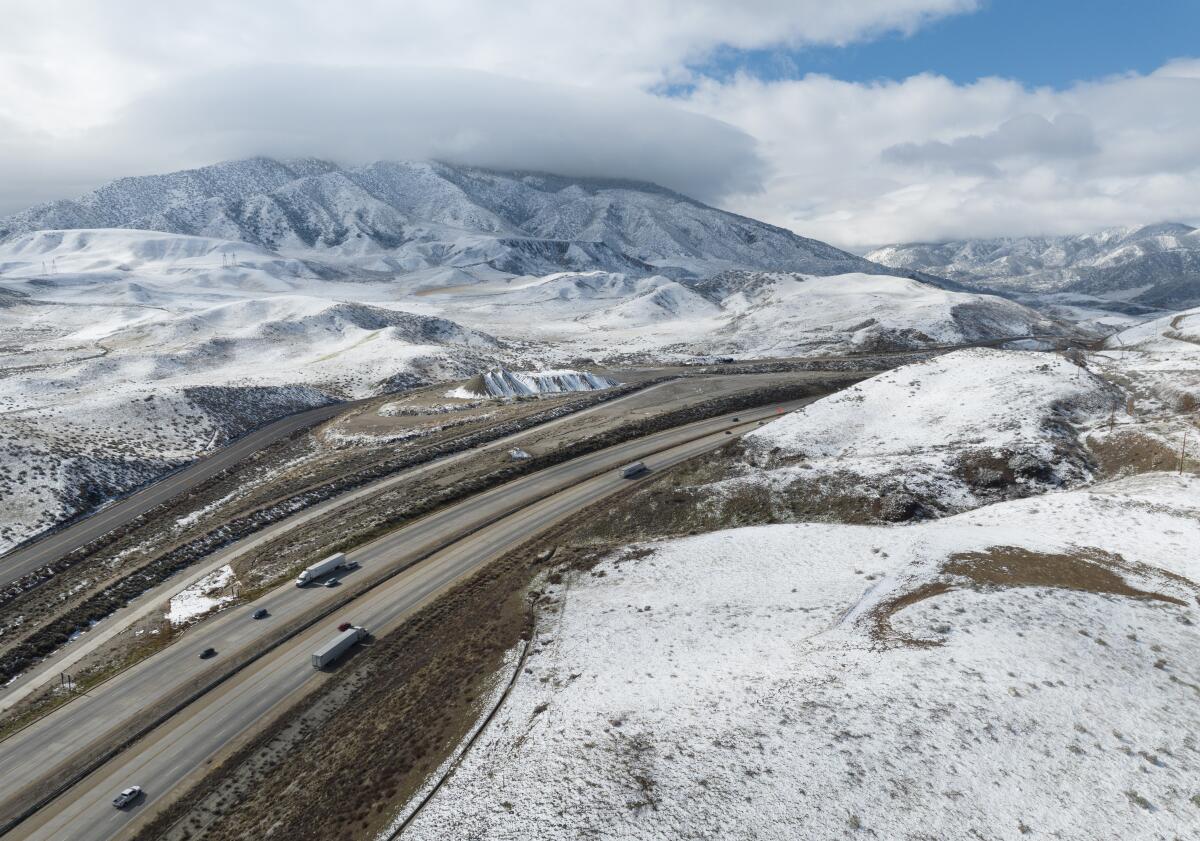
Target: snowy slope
{"points": [[503, 383], [745, 314], [132, 353], [404, 216], [1024, 670], [786, 313], [935, 437], [1170, 334], [1153, 265]]}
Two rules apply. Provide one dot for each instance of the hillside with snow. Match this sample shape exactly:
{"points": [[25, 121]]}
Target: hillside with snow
{"points": [[303, 282], [946, 435], [399, 217], [1152, 266], [1022, 670], [744, 314], [921, 441]]}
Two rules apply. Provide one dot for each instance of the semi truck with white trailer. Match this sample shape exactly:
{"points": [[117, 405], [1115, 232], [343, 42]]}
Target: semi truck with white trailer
{"points": [[338, 646], [635, 469], [312, 573]]}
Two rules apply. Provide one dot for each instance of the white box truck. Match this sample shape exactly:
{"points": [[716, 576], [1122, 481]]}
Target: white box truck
{"points": [[635, 469], [337, 646], [320, 568]]}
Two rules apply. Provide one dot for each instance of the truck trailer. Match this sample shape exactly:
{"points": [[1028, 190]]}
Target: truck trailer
{"points": [[320, 568], [337, 646], [635, 469]]}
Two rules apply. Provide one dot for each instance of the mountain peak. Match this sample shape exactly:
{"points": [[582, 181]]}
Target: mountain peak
{"points": [[403, 216]]}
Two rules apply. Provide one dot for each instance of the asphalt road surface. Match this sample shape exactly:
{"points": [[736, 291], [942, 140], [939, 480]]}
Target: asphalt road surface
{"points": [[65, 658], [26, 559], [171, 754]]}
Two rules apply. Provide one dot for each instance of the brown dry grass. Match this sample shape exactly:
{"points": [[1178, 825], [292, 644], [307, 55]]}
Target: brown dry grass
{"points": [[1087, 569], [1132, 451]]}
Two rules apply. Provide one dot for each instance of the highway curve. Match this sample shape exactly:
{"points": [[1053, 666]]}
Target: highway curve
{"points": [[461, 539]]}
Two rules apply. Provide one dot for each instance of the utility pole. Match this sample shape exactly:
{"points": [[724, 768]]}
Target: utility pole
{"points": [[1182, 450]]}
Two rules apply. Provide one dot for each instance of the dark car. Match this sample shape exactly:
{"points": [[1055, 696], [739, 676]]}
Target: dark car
{"points": [[345, 626], [261, 613], [208, 652]]}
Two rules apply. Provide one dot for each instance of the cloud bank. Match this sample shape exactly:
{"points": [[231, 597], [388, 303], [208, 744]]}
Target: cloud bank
{"points": [[358, 115], [91, 91], [926, 159]]}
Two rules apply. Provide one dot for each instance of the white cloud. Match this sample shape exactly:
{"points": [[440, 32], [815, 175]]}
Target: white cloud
{"points": [[93, 90], [89, 91], [925, 159], [70, 62], [357, 115], [1028, 136]]}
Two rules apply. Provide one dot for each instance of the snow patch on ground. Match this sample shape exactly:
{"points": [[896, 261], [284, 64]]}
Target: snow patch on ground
{"points": [[502, 383], [201, 598]]}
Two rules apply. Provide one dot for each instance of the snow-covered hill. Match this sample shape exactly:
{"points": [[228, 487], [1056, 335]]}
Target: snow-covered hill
{"points": [[1022, 670], [1179, 333], [1155, 266], [743, 314], [404, 216], [935, 437], [310, 282], [137, 352]]}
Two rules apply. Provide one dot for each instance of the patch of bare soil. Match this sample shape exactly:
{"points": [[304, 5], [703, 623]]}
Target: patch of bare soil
{"points": [[1087, 569], [1127, 451]]}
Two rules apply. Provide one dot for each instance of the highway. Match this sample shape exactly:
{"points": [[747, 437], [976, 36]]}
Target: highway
{"points": [[25, 559], [148, 604], [461, 539]]}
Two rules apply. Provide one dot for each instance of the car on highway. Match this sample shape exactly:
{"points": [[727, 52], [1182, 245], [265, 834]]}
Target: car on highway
{"points": [[333, 582], [351, 565], [345, 626], [208, 652], [261, 613], [127, 796], [734, 420]]}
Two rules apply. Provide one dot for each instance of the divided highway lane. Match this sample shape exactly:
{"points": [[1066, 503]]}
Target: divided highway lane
{"points": [[66, 657], [26, 559], [504, 517]]}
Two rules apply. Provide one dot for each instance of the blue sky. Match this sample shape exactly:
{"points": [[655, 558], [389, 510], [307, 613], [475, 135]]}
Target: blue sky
{"points": [[1037, 42]]}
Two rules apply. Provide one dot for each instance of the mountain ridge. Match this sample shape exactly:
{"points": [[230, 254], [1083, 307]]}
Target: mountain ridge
{"points": [[1156, 265], [404, 216]]}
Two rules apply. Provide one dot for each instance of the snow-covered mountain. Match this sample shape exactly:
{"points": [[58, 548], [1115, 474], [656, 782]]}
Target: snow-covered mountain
{"points": [[1155, 266], [298, 283], [406, 216]]}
